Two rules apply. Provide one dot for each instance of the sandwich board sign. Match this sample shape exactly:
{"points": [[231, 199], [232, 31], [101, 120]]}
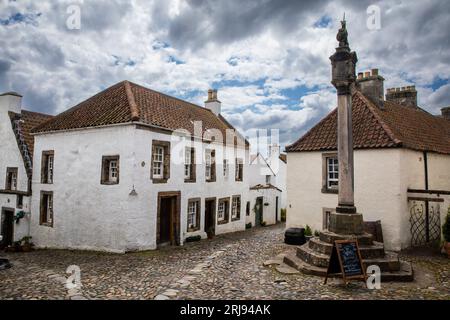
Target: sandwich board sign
{"points": [[346, 261]]}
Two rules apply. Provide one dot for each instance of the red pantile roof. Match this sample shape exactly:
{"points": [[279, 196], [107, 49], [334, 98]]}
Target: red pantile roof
{"points": [[30, 120], [127, 102], [393, 126]]}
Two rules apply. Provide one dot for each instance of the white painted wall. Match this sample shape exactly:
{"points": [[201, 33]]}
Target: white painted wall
{"points": [[382, 178], [10, 157], [269, 212], [88, 215]]}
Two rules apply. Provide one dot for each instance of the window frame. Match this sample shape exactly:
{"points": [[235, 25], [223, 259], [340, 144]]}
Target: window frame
{"points": [[197, 202], [192, 174], [45, 214], [226, 169], [237, 216], [106, 170], [165, 167], [211, 165], [47, 171], [10, 173], [239, 170], [226, 213], [325, 174]]}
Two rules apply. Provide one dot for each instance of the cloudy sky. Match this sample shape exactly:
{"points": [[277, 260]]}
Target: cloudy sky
{"points": [[268, 59]]}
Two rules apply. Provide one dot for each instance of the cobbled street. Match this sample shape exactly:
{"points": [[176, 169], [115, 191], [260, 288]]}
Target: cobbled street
{"points": [[228, 267]]}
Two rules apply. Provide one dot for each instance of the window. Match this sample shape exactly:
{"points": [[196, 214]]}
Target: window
{"points": [[333, 173], [236, 208], [193, 215], [239, 170], [19, 204], [247, 209], [210, 166], [330, 173], [46, 218], [267, 179], [158, 162], [47, 165], [189, 165], [110, 170], [160, 171], [223, 211], [326, 217], [225, 168], [11, 179]]}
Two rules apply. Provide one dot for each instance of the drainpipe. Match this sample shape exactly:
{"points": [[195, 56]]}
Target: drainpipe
{"points": [[427, 214]]}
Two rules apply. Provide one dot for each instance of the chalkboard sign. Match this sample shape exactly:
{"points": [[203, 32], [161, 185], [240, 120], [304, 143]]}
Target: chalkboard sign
{"points": [[346, 260]]}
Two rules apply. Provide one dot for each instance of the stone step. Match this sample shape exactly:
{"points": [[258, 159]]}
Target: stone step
{"points": [[389, 262], [405, 274], [367, 252], [330, 237]]}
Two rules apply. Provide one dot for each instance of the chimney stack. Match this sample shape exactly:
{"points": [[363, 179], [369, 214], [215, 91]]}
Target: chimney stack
{"points": [[406, 96], [371, 85], [11, 102], [213, 103], [446, 113]]}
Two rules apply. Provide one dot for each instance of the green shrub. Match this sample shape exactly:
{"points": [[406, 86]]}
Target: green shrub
{"points": [[283, 215], [316, 233], [446, 227], [308, 231]]}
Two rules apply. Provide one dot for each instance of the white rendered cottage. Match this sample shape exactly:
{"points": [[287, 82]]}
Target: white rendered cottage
{"points": [[267, 178], [16, 150], [401, 164], [134, 169]]}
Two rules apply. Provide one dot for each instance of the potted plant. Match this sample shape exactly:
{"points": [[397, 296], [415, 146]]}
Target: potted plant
{"points": [[27, 245], [308, 233], [446, 233]]}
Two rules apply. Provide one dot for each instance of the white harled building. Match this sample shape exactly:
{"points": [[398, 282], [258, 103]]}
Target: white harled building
{"points": [[129, 169]]}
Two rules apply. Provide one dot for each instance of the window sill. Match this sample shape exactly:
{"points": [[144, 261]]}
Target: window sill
{"points": [[190, 180], [106, 183], [159, 181], [235, 219], [222, 222], [330, 191], [211, 180], [48, 225], [46, 182], [193, 230]]}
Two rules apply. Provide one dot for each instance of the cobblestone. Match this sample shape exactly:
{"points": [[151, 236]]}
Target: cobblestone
{"points": [[233, 266]]}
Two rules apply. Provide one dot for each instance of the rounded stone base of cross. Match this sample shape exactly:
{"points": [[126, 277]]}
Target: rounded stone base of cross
{"points": [[342, 223]]}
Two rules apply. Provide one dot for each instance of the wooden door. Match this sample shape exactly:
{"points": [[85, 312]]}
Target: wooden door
{"points": [[210, 217], [7, 227]]}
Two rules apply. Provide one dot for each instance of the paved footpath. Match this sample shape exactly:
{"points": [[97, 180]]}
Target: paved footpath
{"points": [[227, 267]]}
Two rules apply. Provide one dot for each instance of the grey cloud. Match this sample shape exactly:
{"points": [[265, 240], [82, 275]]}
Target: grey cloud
{"points": [[223, 22]]}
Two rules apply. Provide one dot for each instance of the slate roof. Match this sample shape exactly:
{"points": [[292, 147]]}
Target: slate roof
{"points": [[127, 102], [394, 126]]}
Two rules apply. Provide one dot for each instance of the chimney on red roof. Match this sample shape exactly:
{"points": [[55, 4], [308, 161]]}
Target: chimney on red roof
{"points": [[213, 103], [406, 96], [446, 113], [11, 102], [371, 85]]}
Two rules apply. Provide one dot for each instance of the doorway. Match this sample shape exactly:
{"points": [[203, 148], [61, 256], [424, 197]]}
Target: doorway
{"points": [[276, 210], [7, 227], [210, 217], [259, 211], [168, 224]]}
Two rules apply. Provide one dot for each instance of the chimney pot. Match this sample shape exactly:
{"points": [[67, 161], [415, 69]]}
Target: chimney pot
{"points": [[367, 74], [360, 75], [213, 103], [446, 113], [374, 72]]}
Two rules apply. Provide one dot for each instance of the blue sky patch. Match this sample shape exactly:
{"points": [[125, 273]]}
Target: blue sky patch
{"points": [[27, 18]]}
